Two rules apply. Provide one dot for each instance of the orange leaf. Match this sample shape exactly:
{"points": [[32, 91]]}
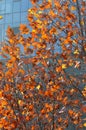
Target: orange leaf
{"points": [[33, 128], [3, 102], [1, 125], [76, 101], [21, 71], [58, 69], [30, 107], [57, 4], [23, 29], [1, 93], [59, 120], [74, 0], [34, 1], [70, 112], [67, 40], [55, 88], [53, 30], [27, 118], [43, 111], [60, 128], [83, 108], [73, 8]]}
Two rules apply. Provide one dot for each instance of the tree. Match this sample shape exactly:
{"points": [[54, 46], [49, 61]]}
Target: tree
{"points": [[44, 88]]}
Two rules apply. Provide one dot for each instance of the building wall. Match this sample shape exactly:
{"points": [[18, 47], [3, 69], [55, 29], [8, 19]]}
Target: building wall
{"points": [[12, 12]]}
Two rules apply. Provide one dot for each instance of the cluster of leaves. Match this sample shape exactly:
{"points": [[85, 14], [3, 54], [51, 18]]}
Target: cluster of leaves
{"points": [[43, 89]]}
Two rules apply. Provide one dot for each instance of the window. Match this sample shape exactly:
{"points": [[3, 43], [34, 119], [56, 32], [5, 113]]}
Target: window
{"points": [[16, 17], [23, 16], [9, 7], [24, 5], [13, 13], [16, 6], [16, 29], [8, 18]]}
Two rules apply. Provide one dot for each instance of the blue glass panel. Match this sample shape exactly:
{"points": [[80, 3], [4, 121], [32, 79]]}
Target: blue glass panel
{"points": [[8, 18], [16, 24], [6, 26], [24, 22], [24, 5], [16, 18], [16, 27], [2, 3], [23, 16], [1, 32], [16, 6], [10, 1], [8, 7], [2, 7]]}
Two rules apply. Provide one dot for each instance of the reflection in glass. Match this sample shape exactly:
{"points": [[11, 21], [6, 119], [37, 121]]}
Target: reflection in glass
{"points": [[14, 12]]}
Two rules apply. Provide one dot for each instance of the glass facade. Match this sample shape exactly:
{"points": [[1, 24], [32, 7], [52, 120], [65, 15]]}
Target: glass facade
{"points": [[12, 12]]}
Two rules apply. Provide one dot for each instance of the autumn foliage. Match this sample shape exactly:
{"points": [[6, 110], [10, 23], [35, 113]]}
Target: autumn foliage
{"points": [[43, 87]]}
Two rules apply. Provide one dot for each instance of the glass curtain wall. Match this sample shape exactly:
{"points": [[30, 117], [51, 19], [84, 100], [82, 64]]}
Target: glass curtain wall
{"points": [[12, 12]]}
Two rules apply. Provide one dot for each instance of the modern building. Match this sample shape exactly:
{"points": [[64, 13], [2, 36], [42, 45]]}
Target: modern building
{"points": [[12, 12]]}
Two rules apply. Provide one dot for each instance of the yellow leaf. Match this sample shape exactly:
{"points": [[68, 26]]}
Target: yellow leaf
{"points": [[11, 41], [38, 87], [49, 0], [84, 124], [64, 66], [1, 17], [39, 21], [84, 91], [30, 11], [70, 63], [40, 12], [76, 52], [21, 71], [9, 63], [33, 30], [82, 22], [74, 40], [19, 101]]}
